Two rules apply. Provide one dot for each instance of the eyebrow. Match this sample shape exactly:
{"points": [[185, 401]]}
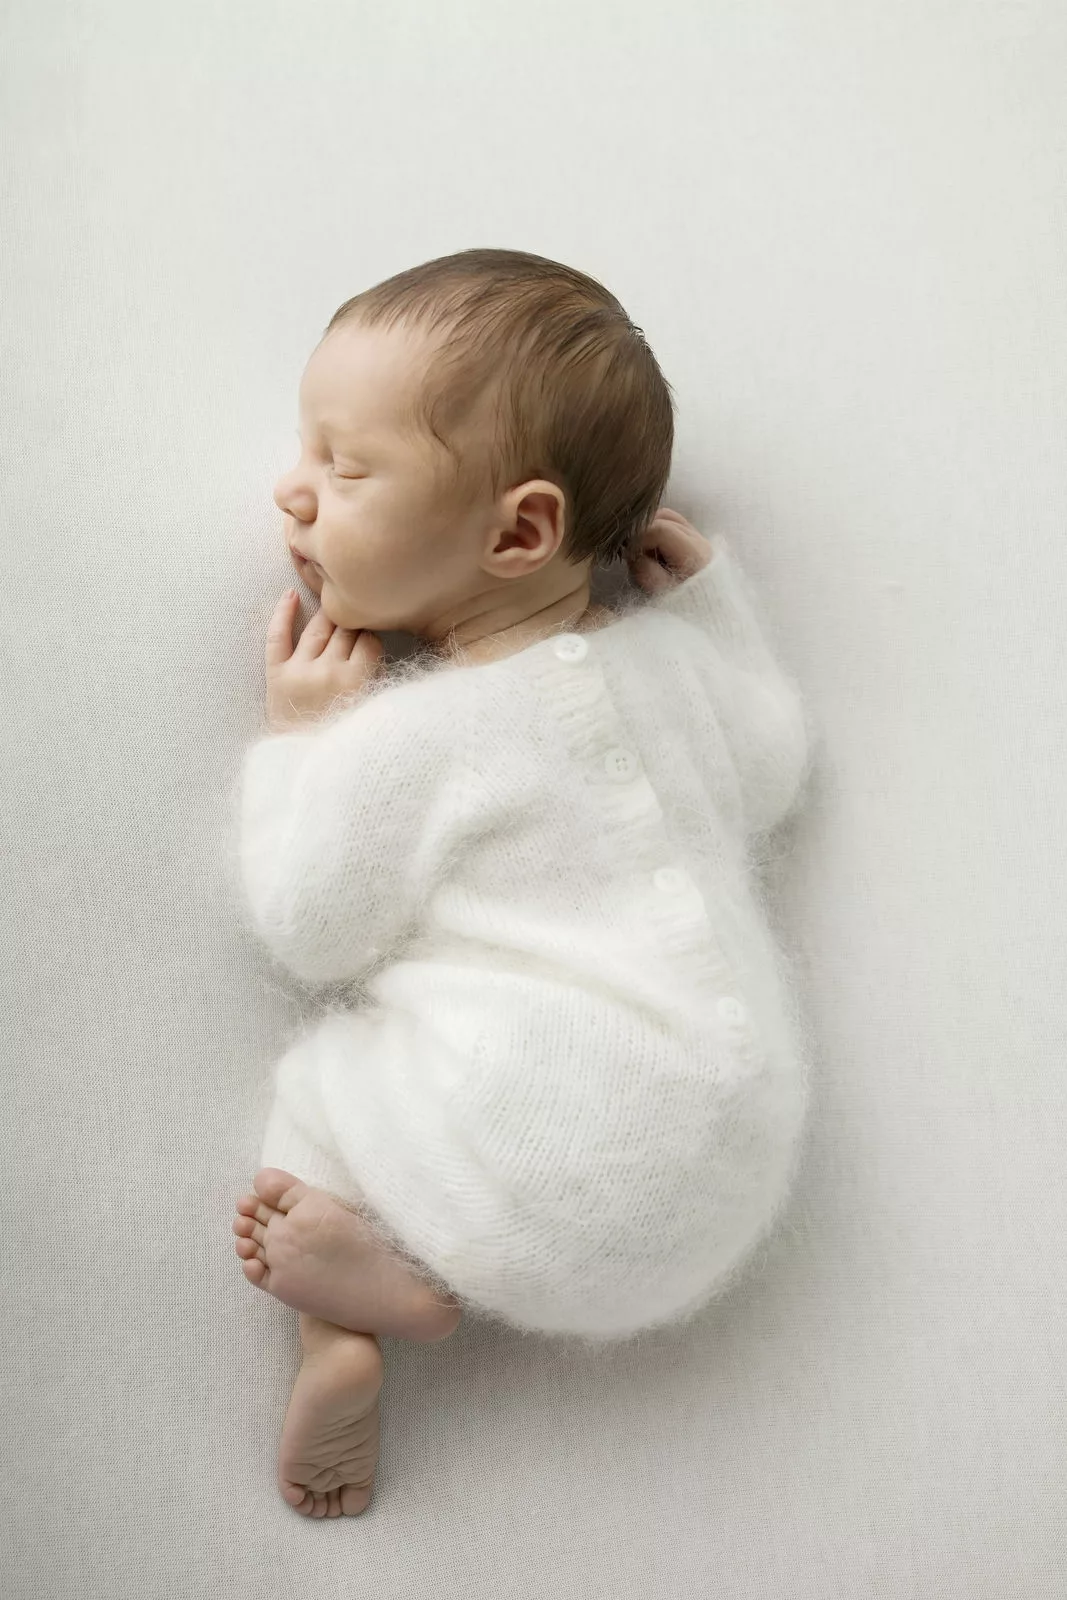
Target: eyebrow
{"points": [[329, 433], [327, 428]]}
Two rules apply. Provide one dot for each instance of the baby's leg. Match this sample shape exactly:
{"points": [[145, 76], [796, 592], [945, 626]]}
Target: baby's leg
{"points": [[304, 1247]]}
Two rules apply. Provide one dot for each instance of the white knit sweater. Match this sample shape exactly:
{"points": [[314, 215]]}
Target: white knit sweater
{"points": [[566, 1073]]}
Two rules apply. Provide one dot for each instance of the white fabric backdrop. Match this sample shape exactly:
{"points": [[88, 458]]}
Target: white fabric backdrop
{"points": [[843, 228]]}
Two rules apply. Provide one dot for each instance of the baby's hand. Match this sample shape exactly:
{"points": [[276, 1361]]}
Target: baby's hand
{"points": [[672, 550], [327, 662]]}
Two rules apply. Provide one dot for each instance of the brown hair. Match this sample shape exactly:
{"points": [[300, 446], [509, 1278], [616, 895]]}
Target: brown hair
{"points": [[576, 394]]}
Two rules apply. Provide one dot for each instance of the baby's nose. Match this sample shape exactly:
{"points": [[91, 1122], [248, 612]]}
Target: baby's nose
{"points": [[293, 495]]}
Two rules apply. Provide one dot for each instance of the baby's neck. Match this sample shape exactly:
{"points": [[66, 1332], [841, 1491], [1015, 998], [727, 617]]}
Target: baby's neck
{"points": [[569, 614]]}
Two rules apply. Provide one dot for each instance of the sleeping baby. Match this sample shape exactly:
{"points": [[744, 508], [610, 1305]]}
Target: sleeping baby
{"points": [[559, 1079]]}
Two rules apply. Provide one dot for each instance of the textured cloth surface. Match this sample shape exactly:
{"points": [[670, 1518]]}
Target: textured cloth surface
{"points": [[842, 229], [574, 1092]]}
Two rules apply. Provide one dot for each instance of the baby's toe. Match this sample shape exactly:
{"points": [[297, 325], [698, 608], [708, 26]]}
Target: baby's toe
{"points": [[249, 1228], [255, 1271], [279, 1189]]}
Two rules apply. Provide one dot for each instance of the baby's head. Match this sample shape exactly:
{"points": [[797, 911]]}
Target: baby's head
{"points": [[477, 433]]}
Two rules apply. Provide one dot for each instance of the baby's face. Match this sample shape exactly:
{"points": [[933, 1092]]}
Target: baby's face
{"points": [[387, 549]]}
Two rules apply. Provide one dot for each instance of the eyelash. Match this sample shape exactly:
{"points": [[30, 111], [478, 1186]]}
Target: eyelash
{"points": [[347, 477]]}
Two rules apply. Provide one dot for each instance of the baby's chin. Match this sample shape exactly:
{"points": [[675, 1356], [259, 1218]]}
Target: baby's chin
{"points": [[346, 614], [352, 616]]}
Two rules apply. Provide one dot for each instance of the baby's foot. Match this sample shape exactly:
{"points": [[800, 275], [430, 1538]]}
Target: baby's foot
{"points": [[329, 1444], [304, 1247]]}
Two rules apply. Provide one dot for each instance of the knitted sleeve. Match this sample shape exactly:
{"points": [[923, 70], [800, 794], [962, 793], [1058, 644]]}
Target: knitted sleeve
{"points": [[757, 702], [341, 828]]}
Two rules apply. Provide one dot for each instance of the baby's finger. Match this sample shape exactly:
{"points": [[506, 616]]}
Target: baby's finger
{"points": [[370, 644], [367, 647], [683, 549], [280, 629], [676, 526], [316, 636], [340, 642], [650, 574]]}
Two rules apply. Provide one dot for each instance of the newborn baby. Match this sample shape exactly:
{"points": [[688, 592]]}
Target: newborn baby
{"points": [[562, 1082]]}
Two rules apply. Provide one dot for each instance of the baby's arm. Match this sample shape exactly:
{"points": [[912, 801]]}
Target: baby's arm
{"points": [[758, 704], [336, 833]]}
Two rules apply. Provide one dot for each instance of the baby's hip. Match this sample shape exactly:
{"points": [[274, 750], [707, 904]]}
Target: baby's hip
{"points": [[502, 1012]]}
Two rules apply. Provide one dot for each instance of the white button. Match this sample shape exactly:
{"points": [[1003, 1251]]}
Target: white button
{"points": [[669, 879], [731, 1009], [571, 647], [620, 764]]}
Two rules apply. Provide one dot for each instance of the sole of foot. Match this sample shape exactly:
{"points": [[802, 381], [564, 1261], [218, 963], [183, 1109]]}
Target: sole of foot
{"points": [[328, 1451]]}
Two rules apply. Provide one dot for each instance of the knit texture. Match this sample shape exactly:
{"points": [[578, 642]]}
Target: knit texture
{"points": [[565, 1071]]}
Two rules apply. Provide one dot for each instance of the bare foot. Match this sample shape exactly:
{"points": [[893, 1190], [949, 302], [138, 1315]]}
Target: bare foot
{"points": [[329, 1445], [302, 1246]]}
